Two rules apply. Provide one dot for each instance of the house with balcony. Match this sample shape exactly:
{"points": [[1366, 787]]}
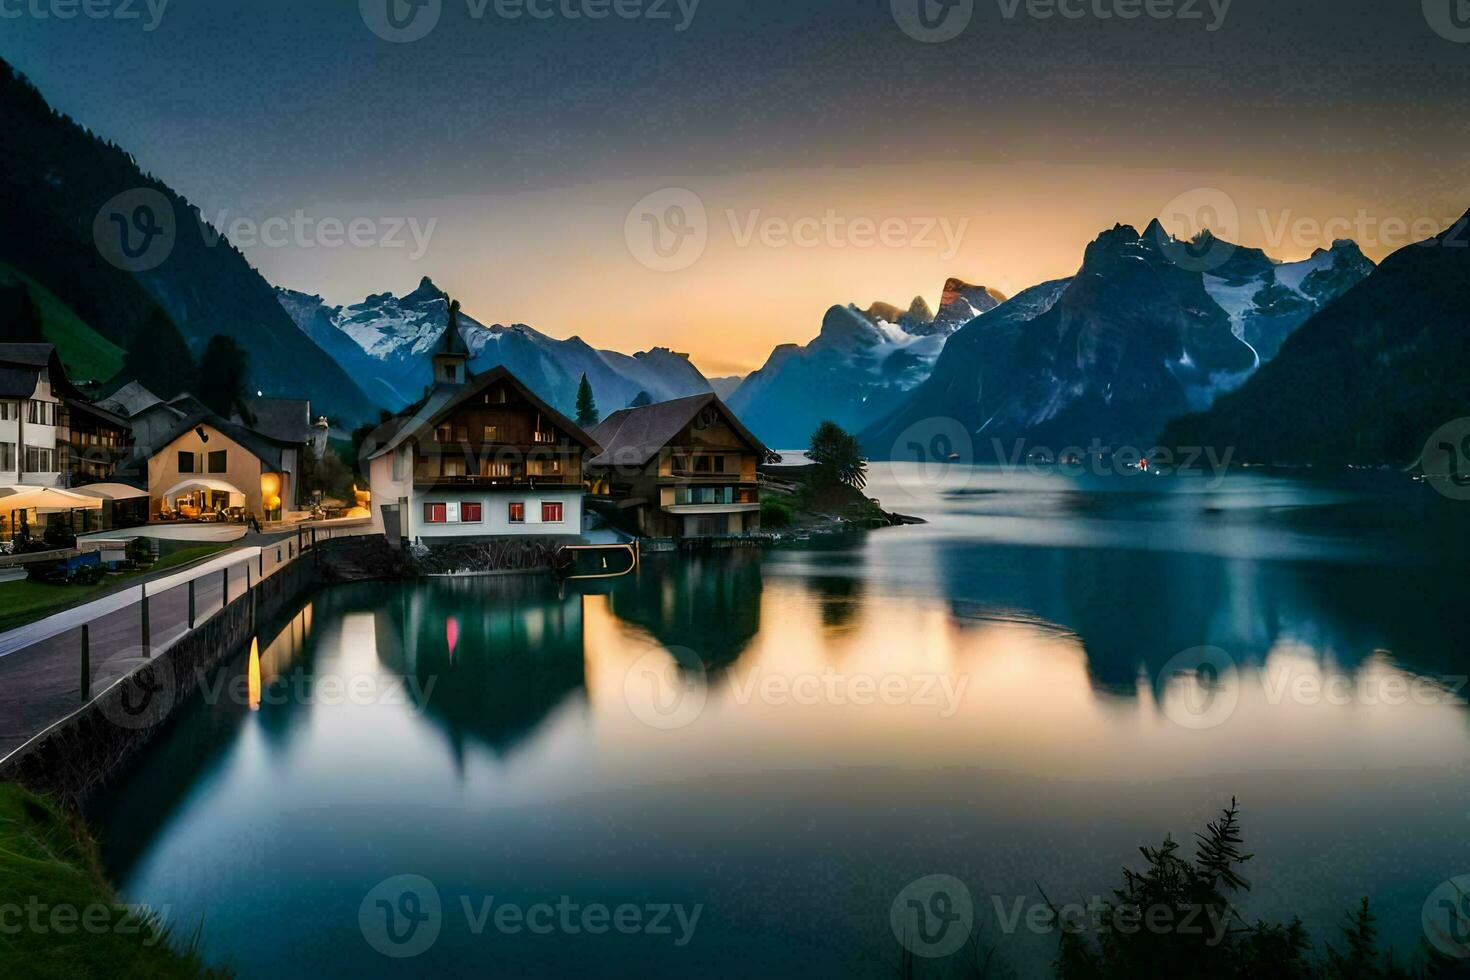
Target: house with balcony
{"points": [[51, 435], [681, 469], [480, 456]]}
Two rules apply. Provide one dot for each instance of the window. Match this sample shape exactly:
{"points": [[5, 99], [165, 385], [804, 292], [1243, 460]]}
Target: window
{"points": [[186, 462], [518, 513], [40, 460], [445, 433], [492, 433], [7, 455], [471, 513], [553, 513], [453, 467], [545, 467], [545, 438], [217, 461], [499, 471], [436, 513], [9, 411], [40, 413], [400, 466]]}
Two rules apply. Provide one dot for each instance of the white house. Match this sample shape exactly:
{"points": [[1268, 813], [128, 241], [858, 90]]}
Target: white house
{"points": [[480, 456], [33, 447]]}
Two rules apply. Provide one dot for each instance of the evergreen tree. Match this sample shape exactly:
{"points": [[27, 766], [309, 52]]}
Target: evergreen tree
{"points": [[838, 456], [587, 414], [222, 373]]}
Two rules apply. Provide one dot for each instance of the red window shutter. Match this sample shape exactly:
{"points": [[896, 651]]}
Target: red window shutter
{"points": [[518, 513], [553, 513], [471, 513], [436, 513]]}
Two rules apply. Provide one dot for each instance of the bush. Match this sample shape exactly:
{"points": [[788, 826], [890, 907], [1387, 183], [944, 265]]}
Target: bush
{"points": [[140, 551], [775, 513]]}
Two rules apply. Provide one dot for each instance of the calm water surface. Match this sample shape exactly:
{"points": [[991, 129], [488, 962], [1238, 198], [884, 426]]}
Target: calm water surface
{"points": [[783, 742]]}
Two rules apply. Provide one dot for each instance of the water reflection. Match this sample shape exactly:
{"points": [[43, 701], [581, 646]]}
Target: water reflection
{"points": [[868, 711], [709, 603], [490, 658]]}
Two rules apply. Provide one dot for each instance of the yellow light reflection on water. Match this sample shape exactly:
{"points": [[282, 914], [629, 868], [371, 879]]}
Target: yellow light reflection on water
{"points": [[254, 683]]}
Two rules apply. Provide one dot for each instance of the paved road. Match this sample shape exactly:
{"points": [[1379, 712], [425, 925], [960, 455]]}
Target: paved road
{"points": [[40, 663]]}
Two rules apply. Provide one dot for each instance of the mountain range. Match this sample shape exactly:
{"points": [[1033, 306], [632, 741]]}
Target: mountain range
{"points": [[1150, 329], [859, 368], [386, 341], [1368, 379]]}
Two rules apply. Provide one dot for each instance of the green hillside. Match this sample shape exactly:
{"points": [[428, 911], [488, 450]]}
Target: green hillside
{"points": [[88, 355]]}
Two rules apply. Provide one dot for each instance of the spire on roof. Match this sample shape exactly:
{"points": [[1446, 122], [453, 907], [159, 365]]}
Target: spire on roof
{"points": [[451, 361]]}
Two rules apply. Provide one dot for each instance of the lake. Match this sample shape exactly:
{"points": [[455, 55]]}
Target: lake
{"points": [[739, 764]]}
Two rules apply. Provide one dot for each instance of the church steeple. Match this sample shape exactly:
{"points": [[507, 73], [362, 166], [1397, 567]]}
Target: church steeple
{"points": [[451, 360]]}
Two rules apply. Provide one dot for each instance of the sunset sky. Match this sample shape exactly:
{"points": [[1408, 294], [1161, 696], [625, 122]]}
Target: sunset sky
{"points": [[520, 147]]}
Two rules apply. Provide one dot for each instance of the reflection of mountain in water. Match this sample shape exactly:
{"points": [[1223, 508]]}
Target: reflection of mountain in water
{"points": [[1135, 610], [492, 657], [709, 603]]}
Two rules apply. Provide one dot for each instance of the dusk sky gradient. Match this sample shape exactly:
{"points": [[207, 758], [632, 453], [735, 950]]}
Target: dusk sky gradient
{"points": [[529, 141]]}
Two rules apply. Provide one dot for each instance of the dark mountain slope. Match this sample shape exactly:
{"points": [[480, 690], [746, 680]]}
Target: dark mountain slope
{"points": [[1368, 379], [55, 191]]}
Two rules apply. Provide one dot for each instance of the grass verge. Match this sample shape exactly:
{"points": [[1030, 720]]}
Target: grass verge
{"points": [[26, 601], [59, 918]]}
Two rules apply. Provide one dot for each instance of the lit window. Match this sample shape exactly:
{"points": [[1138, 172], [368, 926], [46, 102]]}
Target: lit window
{"points": [[436, 513], [444, 433], [499, 471], [518, 513], [492, 433], [453, 467], [553, 513], [471, 513]]}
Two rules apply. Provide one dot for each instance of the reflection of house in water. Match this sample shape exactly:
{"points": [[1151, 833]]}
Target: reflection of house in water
{"points": [[709, 603], [492, 657]]}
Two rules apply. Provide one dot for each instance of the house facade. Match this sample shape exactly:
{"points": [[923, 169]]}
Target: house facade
{"points": [[681, 469], [207, 468], [480, 456], [50, 435]]}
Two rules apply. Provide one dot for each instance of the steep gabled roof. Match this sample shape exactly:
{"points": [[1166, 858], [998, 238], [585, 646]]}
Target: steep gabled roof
{"points": [[17, 381], [443, 399], [20, 360], [130, 399], [265, 448], [634, 436]]}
